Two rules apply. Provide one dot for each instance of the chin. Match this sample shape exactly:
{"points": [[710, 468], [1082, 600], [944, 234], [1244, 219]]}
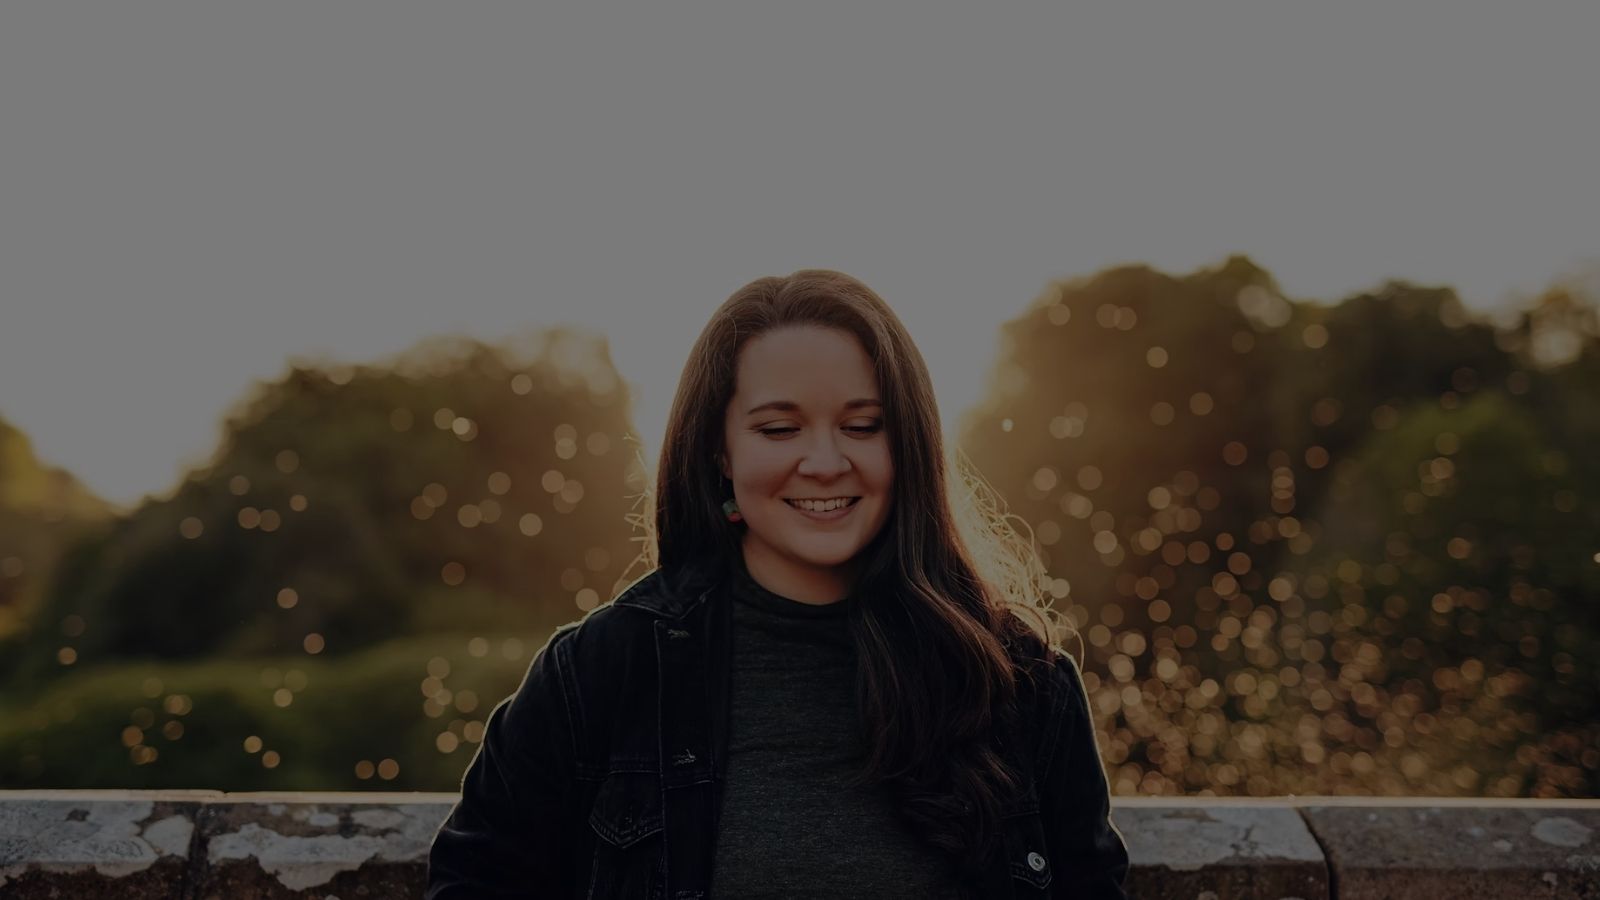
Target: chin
{"points": [[826, 560], [831, 556]]}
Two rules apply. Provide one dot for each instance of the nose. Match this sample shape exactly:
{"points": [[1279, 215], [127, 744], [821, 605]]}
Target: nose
{"points": [[823, 459]]}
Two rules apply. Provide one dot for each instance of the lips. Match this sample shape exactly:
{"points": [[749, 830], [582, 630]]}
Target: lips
{"points": [[828, 515], [793, 501]]}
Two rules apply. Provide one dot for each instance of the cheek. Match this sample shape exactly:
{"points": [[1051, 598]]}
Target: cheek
{"points": [[882, 471], [761, 470]]}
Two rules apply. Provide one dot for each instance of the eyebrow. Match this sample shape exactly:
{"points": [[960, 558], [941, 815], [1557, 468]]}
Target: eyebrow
{"points": [[791, 406]]}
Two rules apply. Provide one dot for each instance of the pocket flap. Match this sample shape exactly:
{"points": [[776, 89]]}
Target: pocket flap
{"points": [[627, 808], [1025, 850]]}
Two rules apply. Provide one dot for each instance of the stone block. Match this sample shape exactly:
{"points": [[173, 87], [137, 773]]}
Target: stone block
{"points": [[89, 844], [1485, 849], [1205, 848], [327, 845]]}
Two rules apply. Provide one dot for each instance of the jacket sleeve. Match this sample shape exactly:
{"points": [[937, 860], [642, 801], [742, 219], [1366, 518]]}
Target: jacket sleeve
{"points": [[1087, 850], [509, 835]]}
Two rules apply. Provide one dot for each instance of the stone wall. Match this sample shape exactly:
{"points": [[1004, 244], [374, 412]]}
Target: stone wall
{"points": [[199, 845]]}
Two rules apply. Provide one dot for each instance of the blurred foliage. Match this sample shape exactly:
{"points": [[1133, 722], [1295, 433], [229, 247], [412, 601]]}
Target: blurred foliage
{"points": [[349, 505], [1310, 548], [42, 511], [1314, 549], [270, 723]]}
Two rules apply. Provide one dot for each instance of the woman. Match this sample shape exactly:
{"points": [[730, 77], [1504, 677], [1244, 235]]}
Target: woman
{"points": [[831, 683]]}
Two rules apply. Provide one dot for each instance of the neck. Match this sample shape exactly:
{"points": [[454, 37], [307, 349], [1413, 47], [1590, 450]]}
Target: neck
{"points": [[802, 584]]}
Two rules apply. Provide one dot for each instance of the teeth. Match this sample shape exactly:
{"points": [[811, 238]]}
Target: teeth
{"points": [[820, 506]]}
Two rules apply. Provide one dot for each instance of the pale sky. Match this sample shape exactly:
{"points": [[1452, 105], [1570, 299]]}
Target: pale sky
{"points": [[191, 194]]}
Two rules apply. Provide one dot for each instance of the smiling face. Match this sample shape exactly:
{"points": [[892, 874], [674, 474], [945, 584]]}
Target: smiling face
{"points": [[806, 424]]}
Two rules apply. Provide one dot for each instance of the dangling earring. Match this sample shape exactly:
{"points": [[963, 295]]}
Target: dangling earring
{"points": [[730, 507]]}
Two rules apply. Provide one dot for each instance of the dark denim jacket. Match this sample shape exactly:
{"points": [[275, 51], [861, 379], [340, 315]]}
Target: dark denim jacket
{"points": [[601, 776]]}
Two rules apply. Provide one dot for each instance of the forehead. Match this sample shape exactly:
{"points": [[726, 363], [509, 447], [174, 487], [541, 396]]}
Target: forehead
{"points": [[804, 364]]}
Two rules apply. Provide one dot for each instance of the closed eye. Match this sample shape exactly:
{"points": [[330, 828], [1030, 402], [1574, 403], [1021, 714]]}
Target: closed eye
{"points": [[857, 429]]}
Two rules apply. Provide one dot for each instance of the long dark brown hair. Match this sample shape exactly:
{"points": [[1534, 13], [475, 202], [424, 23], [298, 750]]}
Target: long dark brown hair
{"points": [[938, 628]]}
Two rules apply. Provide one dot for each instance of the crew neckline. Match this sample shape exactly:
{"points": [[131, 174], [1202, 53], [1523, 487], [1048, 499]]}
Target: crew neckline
{"points": [[749, 590]]}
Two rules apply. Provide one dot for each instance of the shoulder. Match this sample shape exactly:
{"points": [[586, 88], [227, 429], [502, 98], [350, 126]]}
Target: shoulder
{"points": [[613, 631], [1038, 665], [1066, 678], [1049, 681]]}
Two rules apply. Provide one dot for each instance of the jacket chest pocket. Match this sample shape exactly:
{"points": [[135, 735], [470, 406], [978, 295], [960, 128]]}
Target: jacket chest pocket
{"points": [[1025, 856], [629, 861]]}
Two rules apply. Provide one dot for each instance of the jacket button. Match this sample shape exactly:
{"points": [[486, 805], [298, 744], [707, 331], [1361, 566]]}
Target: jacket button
{"points": [[1036, 862]]}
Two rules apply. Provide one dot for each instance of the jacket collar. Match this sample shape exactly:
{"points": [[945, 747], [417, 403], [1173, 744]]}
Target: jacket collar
{"points": [[666, 593]]}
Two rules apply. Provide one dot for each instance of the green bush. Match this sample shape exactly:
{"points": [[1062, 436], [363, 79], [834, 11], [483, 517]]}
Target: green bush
{"points": [[145, 725]]}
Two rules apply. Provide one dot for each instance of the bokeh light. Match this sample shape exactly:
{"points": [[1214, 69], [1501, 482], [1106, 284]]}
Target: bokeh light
{"points": [[1303, 548]]}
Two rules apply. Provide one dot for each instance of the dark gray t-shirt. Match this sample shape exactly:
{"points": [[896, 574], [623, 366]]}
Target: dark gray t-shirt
{"points": [[790, 827]]}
